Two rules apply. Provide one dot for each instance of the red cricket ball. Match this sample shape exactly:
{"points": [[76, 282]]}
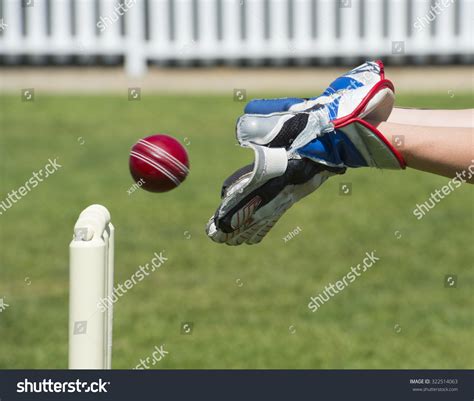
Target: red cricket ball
{"points": [[158, 163]]}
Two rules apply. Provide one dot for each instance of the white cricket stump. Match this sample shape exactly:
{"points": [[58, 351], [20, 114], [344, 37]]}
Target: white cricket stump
{"points": [[91, 283]]}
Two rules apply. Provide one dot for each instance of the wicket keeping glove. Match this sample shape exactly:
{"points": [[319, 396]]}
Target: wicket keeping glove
{"points": [[296, 151], [363, 92]]}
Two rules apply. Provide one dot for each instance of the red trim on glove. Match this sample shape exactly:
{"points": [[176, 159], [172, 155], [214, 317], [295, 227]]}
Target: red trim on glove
{"points": [[384, 83], [382, 68]]}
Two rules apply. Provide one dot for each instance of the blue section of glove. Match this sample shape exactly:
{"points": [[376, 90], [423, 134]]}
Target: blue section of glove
{"points": [[268, 106], [343, 82], [333, 108], [334, 148]]}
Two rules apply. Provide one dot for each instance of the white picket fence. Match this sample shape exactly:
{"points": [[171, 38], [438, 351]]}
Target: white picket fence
{"points": [[212, 31]]}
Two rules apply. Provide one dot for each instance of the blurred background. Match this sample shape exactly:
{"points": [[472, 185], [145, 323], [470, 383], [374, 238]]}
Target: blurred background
{"points": [[136, 33], [122, 43], [82, 80]]}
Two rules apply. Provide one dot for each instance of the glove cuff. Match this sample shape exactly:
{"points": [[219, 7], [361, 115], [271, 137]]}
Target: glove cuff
{"points": [[354, 143], [375, 148]]}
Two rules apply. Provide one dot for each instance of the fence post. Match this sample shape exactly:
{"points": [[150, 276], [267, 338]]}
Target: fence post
{"points": [[135, 56]]}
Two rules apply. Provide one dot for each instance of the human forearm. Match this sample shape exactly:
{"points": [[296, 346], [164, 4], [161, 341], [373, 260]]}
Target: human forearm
{"points": [[439, 150], [433, 118]]}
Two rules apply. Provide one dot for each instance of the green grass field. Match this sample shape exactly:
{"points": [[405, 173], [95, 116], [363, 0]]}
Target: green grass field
{"points": [[248, 305]]}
